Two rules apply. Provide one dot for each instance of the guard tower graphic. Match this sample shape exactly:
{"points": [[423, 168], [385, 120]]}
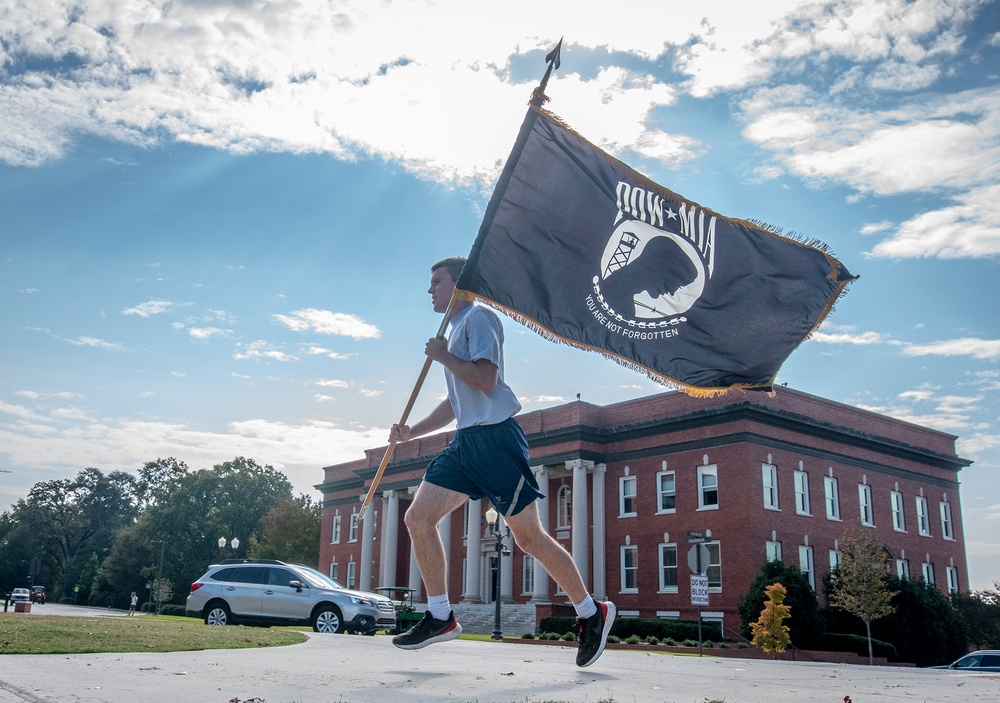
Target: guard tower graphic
{"points": [[626, 245]]}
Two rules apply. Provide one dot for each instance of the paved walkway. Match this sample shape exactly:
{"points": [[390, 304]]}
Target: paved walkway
{"points": [[354, 669]]}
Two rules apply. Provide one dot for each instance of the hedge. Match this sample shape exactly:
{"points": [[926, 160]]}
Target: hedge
{"points": [[641, 628], [173, 610], [833, 642]]}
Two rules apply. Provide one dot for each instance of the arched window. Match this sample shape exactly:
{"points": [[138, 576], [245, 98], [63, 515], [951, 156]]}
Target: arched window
{"points": [[564, 503]]}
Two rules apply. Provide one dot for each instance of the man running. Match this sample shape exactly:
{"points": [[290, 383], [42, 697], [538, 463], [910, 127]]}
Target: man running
{"points": [[488, 458]]}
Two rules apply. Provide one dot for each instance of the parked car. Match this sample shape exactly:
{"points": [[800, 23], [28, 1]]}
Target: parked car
{"points": [[20, 595], [38, 594], [983, 660], [272, 592]]}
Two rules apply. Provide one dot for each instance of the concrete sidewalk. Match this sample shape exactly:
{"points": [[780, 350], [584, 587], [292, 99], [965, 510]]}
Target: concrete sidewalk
{"points": [[353, 669]]}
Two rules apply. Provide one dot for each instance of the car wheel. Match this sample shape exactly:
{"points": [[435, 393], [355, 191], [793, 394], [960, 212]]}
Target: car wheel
{"points": [[327, 619], [218, 614]]}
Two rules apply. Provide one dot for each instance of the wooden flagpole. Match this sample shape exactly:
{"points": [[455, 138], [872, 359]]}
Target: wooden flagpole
{"points": [[390, 450]]}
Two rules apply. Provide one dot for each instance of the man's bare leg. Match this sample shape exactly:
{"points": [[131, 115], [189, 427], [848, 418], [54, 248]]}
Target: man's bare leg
{"points": [[530, 536], [430, 505], [593, 628]]}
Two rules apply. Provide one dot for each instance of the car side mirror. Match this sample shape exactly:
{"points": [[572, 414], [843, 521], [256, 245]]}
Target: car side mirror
{"points": [[297, 585]]}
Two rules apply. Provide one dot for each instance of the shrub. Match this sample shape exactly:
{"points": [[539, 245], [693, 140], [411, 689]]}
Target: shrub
{"points": [[642, 627], [173, 610], [614, 639], [833, 642], [569, 637], [549, 636], [708, 643], [690, 643], [669, 641], [723, 645], [528, 636], [742, 645], [634, 639], [652, 640]]}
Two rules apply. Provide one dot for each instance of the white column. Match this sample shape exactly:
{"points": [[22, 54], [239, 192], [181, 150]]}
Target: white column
{"points": [[580, 522], [415, 582], [541, 593], [600, 587], [473, 555], [367, 550], [444, 530], [390, 537]]}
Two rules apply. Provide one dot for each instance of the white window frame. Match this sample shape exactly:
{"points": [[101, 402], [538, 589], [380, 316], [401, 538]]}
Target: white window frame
{"points": [[662, 550], [952, 574], [564, 507], [831, 494], [527, 574], [903, 568], [806, 564], [704, 489], [334, 570], [714, 568], [835, 559], [772, 550], [865, 505], [769, 479], [352, 531], [352, 574], [923, 517], [629, 570], [898, 515], [927, 572], [947, 528], [802, 506], [335, 530], [661, 493], [627, 491]]}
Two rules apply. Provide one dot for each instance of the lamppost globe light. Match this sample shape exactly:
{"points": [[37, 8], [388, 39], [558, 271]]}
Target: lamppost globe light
{"points": [[236, 543], [491, 516], [222, 542]]}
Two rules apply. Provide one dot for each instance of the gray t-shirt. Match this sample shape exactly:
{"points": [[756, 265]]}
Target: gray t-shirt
{"points": [[476, 333]]}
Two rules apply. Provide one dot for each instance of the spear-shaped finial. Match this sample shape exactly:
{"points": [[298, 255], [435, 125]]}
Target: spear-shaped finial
{"points": [[538, 96]]}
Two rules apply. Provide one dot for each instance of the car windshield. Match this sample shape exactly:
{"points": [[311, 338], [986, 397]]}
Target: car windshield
{"points": [[317, 579]]}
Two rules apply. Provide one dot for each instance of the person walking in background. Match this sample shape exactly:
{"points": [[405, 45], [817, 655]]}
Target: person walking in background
{"points": [[133, 601], [488, 458]]}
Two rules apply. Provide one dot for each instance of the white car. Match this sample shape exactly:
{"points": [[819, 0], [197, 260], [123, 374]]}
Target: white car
{"points": [[272, 592], [20, 595]]}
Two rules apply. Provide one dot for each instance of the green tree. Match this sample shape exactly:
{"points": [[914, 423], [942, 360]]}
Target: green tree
{"points": [[806, 626], [770, 632], [291, 532], [981, 612], [860, 581]]}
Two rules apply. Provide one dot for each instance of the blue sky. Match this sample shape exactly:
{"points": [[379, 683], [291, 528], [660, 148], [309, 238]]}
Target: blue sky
{"points": [[218, 216]]}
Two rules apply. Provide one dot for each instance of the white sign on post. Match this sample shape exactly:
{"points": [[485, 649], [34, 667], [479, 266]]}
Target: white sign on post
{"points": [[699, 590]]}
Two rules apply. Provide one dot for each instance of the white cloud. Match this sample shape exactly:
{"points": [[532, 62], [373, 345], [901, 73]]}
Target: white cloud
{"points": [[97, 343], [149, 308], [327, 322], [332, 383], [846, 338], [313, 350], [206, 332], [261, 350], [969, 346]]}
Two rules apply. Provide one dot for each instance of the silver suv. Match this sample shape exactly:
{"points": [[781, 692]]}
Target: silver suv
{"points": [[273, 592]]}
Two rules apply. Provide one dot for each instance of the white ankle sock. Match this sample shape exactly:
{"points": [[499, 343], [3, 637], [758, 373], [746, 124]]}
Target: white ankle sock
{"points": [[439, 606], [586, 608]]}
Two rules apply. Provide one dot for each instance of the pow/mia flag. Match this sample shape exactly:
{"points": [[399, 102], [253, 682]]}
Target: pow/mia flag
{"points": [[587, 251]]}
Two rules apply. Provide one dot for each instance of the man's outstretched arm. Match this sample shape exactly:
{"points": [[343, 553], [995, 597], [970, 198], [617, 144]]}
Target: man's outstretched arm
{"points": [[438, 418]]}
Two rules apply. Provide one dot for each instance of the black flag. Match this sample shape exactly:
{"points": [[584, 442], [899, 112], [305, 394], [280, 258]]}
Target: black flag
{"points": [[585, 250]]}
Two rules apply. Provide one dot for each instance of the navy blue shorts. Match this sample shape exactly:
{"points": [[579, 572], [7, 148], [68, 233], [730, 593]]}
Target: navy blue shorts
{"points": [[488, 461]]}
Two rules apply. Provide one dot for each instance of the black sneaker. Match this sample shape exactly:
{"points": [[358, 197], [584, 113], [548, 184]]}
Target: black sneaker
{"points": [[594, 633], [428, 631]]}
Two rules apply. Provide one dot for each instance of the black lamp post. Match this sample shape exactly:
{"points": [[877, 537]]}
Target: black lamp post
{"points": [[491, 519]]}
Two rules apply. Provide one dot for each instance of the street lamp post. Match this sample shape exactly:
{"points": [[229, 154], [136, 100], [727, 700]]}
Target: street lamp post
{"points": [[491, 519], [234, 544]]}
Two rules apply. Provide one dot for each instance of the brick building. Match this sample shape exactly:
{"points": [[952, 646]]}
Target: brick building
{"points": [[778, 476]]}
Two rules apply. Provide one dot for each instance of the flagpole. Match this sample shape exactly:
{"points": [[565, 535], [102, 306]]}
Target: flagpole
{"points": [[390, 450], [538, 97]]}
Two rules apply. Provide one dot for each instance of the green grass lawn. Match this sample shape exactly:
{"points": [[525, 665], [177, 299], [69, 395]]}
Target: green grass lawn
{"points": [[51, 634]]}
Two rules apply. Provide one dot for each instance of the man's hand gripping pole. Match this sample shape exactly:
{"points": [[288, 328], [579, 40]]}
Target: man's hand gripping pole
{"points": [[387, 457]]}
